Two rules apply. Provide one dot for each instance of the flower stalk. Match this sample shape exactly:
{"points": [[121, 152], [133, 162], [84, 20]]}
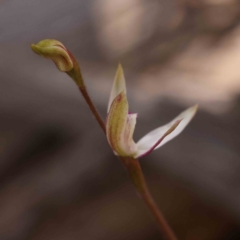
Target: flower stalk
{"points": [[135, 172], [93, 109], [76, 75]]}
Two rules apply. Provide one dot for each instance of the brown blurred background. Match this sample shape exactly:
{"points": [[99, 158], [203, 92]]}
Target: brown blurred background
{"points": [[58, 178]]}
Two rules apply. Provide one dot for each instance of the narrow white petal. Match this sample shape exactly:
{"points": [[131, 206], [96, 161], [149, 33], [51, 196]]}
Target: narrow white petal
{"points": [[128, 142], [119, 85], [147, 142]]}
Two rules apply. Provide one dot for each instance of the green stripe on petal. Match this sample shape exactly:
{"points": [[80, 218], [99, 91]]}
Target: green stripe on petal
{"points": [[119, 85], [120, 126]]}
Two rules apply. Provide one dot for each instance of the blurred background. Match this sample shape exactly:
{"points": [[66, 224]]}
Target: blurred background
{"points": [[58, 177]]}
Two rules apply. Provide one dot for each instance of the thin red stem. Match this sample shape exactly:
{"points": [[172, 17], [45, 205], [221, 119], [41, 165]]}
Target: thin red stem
{"points": [[136, 174], [93, 109]]}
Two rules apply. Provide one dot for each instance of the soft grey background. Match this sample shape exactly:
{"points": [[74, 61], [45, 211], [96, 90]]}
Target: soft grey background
{"points": [[58, 177]]}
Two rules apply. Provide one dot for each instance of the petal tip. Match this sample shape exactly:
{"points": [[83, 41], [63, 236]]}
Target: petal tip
{"points": [[194, 109], [120, 68], [118, 85], [120, 79]]}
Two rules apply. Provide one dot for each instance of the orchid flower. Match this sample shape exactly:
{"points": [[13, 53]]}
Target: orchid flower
{"points": [[120, 124]]}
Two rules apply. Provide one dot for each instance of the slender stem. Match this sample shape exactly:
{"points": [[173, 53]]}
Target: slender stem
{"points": [[92, 107], [134, 169], [77, 77]]}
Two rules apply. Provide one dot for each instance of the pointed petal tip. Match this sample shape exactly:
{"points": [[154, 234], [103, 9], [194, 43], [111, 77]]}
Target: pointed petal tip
{"points": [[120, 73], [118, 85], [120, 66], [194, 109]]}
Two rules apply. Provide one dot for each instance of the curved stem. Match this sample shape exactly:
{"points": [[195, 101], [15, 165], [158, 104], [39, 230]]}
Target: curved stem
{"points": [[134, 169], [92, 107], [77, 77]]}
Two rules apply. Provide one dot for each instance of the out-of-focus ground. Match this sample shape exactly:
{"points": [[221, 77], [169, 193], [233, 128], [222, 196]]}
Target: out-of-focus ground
{"points": [[58, 178]]}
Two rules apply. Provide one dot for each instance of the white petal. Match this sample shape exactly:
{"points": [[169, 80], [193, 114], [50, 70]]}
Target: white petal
{"points": [[130, 145], [119, 85], [148, 141]]}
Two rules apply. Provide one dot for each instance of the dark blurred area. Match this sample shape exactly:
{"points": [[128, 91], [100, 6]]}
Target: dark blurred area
{"points": [[59, 180]]}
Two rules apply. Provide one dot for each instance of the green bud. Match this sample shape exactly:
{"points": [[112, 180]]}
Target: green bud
{"points": [[55, 50]]}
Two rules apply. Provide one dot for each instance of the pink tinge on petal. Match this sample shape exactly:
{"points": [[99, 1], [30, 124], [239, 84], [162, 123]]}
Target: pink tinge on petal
{"points": [[129, 113], [119, 85], [170, 130], [158, 137]]}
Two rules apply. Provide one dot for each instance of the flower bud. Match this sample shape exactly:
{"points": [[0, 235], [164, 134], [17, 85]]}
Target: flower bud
{"points": [[55, 50]]}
